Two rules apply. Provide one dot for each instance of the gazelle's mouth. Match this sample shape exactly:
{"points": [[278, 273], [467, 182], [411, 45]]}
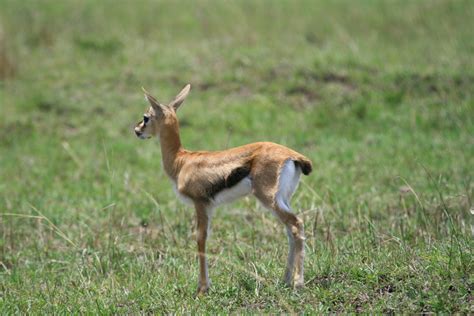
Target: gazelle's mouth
{"points": [[141, 136]]}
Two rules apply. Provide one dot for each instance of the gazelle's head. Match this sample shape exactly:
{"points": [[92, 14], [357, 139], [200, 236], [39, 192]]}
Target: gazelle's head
{"points": [[158, 115]]}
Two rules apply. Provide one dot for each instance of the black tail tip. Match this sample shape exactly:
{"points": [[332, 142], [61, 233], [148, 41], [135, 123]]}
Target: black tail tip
{"points": [[305, 166]]}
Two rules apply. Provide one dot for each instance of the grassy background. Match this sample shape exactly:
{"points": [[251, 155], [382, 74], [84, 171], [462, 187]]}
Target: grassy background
{"points": [[379, 94]]}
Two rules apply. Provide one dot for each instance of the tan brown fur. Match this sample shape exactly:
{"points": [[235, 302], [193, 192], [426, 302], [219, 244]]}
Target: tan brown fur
{"points": [[200, 176]]}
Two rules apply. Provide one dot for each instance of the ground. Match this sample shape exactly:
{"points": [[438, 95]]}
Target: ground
{"points": [[378, 94]]}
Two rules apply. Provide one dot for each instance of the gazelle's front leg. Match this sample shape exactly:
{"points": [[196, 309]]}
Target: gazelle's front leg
{"points": [[202, 218]]}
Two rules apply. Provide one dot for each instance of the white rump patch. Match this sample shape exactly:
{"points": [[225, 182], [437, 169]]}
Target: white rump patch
{"points": [[243, 188], [287, 184]]}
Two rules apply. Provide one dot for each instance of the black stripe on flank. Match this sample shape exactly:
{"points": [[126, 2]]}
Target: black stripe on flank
{"points": [[228, 182]]}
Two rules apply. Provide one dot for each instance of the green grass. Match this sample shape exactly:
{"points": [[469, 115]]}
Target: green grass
{"points": [[379, 94]]}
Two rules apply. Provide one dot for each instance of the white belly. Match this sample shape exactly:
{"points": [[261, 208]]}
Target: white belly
{"points": [[243, 188]]}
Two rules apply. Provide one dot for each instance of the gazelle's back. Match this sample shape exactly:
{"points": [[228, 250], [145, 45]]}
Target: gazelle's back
{"points": [[203, 175]]}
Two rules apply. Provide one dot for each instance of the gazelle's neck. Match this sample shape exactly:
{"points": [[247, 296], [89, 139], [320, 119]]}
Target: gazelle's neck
{"points": [[170, 143]]}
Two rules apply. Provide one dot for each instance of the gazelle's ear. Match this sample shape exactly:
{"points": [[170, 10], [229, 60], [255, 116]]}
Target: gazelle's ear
{"points": [[180, 97], [157, 106]]}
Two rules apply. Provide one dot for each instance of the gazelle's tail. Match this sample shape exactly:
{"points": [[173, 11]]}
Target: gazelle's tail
{"points": [[305, 165]]}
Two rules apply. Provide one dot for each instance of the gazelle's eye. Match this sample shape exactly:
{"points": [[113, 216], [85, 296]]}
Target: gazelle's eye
{"points": [[145, 119]]}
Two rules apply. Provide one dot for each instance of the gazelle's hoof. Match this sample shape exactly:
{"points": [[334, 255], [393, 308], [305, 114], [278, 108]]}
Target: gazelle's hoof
{"points": [[202, 290], [299, 285]]}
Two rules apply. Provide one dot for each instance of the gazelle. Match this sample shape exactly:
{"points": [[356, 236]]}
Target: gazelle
{"points": [[206, 179]]}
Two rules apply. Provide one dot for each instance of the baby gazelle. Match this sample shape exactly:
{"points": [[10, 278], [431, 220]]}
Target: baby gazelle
{"points": [[207, 179]]}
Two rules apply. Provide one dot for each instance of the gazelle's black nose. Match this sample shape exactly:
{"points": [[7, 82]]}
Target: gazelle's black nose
{"points": [[138, 133]]}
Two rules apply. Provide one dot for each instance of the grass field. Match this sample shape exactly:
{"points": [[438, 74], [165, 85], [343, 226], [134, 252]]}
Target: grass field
{"points": [[379, 94]]}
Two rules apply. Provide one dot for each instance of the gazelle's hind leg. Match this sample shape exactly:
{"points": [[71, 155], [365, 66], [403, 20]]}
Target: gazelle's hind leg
{"points": [[279, 203], [295, 232]]}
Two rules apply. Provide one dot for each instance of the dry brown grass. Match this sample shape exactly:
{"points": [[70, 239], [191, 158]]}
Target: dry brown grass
{"points": [[7, 65]]}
